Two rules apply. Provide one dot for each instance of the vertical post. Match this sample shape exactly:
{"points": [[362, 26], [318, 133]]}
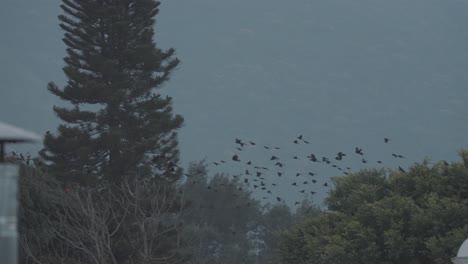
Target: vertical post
{"points": [[2, 151], [8, 210]]}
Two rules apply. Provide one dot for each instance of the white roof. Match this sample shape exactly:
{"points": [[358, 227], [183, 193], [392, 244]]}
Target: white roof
{"points": [[11, 133], [463, 250]]}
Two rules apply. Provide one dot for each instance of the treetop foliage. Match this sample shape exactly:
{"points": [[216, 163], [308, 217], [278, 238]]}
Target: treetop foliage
{"points": [[386, 216]]}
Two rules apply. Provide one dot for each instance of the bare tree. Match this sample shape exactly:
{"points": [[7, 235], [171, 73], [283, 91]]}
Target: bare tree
{"points": [[136, 221]]}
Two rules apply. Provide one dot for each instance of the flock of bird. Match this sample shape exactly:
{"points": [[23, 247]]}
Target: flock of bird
{"points": [[264, 178], [255, 176]]}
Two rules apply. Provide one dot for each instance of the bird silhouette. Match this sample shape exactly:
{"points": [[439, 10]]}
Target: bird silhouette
{"points": [[445, 162], [386, 140], [235, 157], [266, 147], [299, 137], [305, 141], [215, 163], [259, 174], [358, 151], [297, 203], [401, 169], [340, 155], [294, 183], [364, 161], [279, 174], [252, 143], [274, 158], [278, 199], [249, 163], [312, 157], [279, 164], [297, 174], [296, 142]]}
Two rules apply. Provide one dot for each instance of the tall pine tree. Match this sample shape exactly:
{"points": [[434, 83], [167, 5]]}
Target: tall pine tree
{"points": [[117, 124]]}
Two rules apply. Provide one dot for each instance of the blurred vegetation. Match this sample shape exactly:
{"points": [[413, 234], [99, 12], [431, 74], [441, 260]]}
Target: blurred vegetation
{"points": [[387, 216]]}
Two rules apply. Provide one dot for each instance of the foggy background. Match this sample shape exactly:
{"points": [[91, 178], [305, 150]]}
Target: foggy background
{"points": [[344, 74]]}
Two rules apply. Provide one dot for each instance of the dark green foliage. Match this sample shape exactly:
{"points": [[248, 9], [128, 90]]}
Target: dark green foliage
{"points": [[220, 214], [40, 201], [117, 124], [418, 217], [226, 225]]}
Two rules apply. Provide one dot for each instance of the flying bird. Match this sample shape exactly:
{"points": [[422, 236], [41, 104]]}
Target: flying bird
{"points": [[358, 151], [312, 157], [386, 140], [401, 169], [235, 157], [274, 158]]}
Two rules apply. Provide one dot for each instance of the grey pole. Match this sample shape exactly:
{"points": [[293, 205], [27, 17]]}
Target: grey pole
{"points": [[8, 205], [8, 193]]}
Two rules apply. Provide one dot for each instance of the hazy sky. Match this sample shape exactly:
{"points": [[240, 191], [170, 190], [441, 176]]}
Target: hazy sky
{"points": [[342, 73]]}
